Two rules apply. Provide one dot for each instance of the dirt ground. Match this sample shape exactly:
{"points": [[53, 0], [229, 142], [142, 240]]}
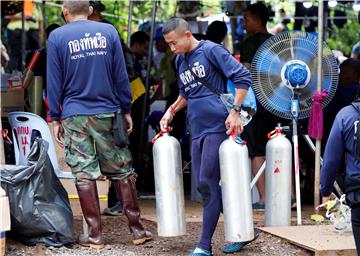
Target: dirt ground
{"points": [[118, 241]]}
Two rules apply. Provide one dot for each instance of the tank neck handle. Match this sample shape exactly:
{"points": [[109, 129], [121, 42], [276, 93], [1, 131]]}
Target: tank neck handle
{"points": [[160, 134]]}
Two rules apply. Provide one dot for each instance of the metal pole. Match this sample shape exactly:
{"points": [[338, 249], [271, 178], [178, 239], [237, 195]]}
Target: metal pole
{"points": [[2, 151], [258, 174], [313, 149], [311, 145], [147, 83], [43, 12], [297, 171], [23, 38], [35, 92], [131, 6], [319, 87], [153, 23]]}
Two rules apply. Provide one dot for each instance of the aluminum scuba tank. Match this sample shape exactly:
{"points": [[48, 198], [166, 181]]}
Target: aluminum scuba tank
{"points": [[236, 192], [278, 179], [169, 190]]}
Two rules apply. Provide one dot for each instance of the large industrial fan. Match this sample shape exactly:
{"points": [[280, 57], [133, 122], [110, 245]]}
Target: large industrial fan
{"points": [[284, 72]]}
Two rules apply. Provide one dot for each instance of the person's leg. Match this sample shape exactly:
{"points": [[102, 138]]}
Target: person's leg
{"points": [[209, 178], [89, 201], [114, 206], [251, 136], [81, 157], [128, 196], [256, 163], [115, 163], [355, 222], [196, 149], [32, 39], [195, 154], [134, 137], [15, 50]]}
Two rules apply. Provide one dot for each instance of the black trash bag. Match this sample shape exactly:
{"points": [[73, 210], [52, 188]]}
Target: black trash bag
{"points": [[39, 205]]}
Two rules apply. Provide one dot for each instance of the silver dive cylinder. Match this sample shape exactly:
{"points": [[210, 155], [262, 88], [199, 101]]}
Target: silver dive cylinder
{"points": [[278, 180], [169, 189], [236, 192]]}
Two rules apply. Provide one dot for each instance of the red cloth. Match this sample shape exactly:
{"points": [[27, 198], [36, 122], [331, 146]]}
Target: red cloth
{"points": [[315, 129]]}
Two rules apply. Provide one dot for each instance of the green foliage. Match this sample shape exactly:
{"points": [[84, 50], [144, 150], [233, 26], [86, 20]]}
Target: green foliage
{"points": [[117, 12], [340, 39], [343, 39], [53, 13], [210, 7]]}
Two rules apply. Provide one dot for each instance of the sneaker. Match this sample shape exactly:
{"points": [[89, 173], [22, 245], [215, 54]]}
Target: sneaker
{"points": [[258, 206], [235, 247], [200, 252], [116, 210]]}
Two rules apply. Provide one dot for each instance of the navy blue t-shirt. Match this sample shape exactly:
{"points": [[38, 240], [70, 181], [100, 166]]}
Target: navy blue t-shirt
{"points": [[340, 146], [213, 62], [86, 72]]}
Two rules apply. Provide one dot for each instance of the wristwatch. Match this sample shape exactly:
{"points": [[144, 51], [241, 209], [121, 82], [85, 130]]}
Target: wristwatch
{"points": [[237, 108]]}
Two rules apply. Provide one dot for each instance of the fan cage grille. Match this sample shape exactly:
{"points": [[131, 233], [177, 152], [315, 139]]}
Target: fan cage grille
{"points": [[266, 67]]}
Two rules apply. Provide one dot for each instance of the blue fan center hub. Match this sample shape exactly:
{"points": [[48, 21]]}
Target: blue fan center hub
{"points": [[296, 74]]}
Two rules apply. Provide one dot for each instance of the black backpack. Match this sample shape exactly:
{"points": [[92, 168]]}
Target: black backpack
{"points": [[356, 105]]}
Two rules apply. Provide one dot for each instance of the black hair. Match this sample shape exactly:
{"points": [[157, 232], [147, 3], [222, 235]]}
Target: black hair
{"points": [[175, 23], [216, 31], [51, 28], [199, 36], [97, 6], [260, 11], [139, 37], [352, 65]]}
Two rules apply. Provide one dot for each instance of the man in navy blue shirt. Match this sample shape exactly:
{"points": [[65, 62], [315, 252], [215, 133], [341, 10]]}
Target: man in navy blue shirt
{"points": [[210, 123], [87, 82], [342, 152], [349, 84]]}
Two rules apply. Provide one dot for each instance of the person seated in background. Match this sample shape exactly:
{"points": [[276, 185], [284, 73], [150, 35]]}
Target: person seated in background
{"points": [[217, 31], [349, 84]]}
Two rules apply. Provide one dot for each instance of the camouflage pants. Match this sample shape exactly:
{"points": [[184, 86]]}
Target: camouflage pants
{"points": [[90, 148]]}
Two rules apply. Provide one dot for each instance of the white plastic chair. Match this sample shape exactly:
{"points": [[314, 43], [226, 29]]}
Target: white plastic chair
{"points": [[23, 125]]}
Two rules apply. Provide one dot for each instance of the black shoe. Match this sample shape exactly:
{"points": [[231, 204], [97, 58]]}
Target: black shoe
{"points": [[116, 210]]}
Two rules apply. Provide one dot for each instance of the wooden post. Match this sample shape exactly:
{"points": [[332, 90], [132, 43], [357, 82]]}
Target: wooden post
{"points": [[2, 152], [319, 87]]}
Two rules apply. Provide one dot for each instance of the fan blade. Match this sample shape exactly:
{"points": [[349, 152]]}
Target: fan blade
{"points": [[312, 86], [305, 48], [280, 98], [269, 63], [304, 54]]}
